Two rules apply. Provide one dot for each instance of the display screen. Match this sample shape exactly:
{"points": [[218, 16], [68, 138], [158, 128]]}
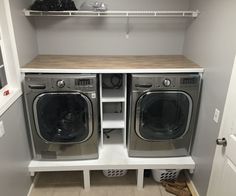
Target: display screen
{"points": [[82, 82], [188, 80]]}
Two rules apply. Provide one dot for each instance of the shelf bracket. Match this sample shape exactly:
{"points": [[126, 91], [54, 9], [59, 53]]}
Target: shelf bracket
{"points": [[32, 174], [127, 26], [140, 175], [191, 171], [86, 174]]}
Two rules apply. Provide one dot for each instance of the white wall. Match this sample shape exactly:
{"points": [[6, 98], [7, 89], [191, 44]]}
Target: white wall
{"points": [[24, 31], [211, 42], [15, 155], [107, 36]]}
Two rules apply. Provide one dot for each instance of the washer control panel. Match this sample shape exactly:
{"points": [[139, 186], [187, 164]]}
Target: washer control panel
{"points": [[60, 82]]}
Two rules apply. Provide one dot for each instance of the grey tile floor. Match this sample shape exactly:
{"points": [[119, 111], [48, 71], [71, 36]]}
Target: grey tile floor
{"points": [[71, 184]]}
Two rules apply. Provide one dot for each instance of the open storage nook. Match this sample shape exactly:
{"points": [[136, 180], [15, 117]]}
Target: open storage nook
{"points": [[99, 177], [142, 106], [124, 40]]}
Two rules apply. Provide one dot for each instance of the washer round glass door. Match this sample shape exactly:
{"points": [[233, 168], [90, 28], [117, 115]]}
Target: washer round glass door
{"points": [[163, 115], [63, 117]]}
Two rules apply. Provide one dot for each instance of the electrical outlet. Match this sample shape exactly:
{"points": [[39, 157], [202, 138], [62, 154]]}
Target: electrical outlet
{"points": [[216, 115]]}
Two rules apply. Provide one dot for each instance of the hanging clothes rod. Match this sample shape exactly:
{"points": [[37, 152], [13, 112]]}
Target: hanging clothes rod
{"points": [[166, 14]]}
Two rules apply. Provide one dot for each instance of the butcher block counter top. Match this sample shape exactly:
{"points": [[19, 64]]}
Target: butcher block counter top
{"points": [[110, 64]]}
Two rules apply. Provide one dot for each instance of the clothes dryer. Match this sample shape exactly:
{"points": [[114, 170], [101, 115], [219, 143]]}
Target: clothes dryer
{"points": [[163, 112]]}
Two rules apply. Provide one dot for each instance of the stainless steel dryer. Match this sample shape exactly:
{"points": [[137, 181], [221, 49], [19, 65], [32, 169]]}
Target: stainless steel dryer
{"points": [[162, 114], [63, 115]]}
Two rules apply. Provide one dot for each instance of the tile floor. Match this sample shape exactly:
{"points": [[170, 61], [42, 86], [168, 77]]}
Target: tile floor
{"points": [[71, 184]]}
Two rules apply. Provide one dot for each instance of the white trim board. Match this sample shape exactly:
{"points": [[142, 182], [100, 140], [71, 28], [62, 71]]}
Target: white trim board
{"points": [[191, 185], [113, 157], [35, 180], [7, 101], [173, 70]]}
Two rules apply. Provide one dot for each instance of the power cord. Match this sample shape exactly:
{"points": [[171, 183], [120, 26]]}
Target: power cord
{"points": [[106, 133]]}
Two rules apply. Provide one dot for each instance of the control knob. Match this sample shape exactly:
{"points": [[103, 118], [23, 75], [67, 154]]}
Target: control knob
{"points": [[166, 82], [61, 83]]}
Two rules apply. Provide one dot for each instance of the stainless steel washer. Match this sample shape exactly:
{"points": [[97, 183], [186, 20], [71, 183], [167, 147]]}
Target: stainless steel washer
{"points": [[63, 115], [163, 112]]}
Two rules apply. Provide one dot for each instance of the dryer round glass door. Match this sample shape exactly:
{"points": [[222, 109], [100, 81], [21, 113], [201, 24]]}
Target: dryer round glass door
{"points": [[163, 115], [63, 117]]}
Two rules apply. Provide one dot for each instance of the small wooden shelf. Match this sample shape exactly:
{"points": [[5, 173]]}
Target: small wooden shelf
{"points": [[113, 121], [113, 95]]}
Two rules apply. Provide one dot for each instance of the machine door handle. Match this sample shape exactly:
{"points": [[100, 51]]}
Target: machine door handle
{"points": [[37, 86], [143, 85], [221, 142]]}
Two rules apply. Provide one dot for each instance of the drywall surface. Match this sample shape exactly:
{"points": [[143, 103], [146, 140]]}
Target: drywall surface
{"points": [[107, 36], [211, 42], [24, 31], [14, 153]]}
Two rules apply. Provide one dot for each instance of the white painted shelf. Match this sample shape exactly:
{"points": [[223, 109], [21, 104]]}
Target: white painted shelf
{"points": [[113, 121], [113, 157], [165, 14], [114, 95]]}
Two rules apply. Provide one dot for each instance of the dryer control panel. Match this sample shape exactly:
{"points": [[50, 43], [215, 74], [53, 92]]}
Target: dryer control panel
{"points": [[144, 82]]}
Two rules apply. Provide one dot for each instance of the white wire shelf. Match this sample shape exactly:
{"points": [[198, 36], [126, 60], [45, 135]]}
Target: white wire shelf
{"points": [[165, 14]]}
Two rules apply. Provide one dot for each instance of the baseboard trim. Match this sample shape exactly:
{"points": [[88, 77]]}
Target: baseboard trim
{"points": [[33, 183], [191, 185]]}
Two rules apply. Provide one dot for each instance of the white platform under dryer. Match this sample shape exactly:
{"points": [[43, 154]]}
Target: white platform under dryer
{"points": [[113, 157]]}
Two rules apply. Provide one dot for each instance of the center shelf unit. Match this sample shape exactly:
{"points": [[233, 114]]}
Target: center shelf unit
{"points": [[113, 109]]}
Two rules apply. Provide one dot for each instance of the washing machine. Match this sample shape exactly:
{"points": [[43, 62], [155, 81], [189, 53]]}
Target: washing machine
{"points": [[63, 115], [163, 110]]}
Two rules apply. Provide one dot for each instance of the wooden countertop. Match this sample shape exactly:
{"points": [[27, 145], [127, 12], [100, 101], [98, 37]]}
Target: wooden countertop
{"points": [[106, 64]]}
